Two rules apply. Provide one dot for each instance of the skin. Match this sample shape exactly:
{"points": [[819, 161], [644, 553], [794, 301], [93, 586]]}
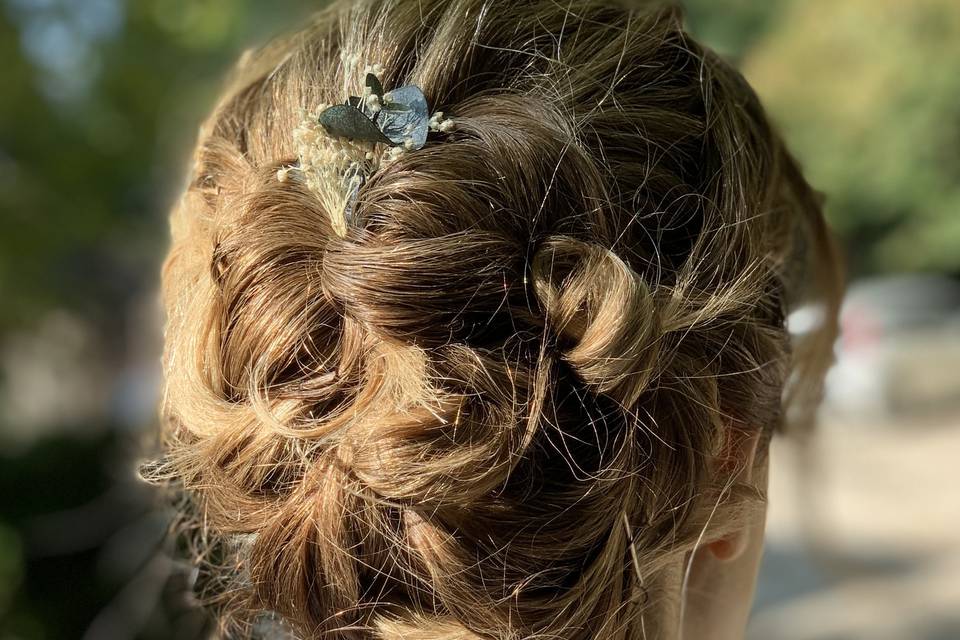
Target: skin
{"points": [[723, 572]]}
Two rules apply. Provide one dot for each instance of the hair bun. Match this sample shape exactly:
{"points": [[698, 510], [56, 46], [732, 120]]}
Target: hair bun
{"points": [[603, 314], [492, 406]]}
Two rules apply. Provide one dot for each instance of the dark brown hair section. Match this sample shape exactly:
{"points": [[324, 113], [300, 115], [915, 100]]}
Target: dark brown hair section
{"points": [[494, 409]]}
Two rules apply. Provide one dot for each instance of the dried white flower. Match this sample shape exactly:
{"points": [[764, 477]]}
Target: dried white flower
{"points": [[438, 123]]}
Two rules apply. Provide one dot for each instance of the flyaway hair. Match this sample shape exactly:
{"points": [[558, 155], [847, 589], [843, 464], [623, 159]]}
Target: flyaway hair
{"points": [[497, 406]]}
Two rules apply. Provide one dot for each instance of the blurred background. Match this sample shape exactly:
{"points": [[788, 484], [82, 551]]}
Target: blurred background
{"points": [[99, 104]]}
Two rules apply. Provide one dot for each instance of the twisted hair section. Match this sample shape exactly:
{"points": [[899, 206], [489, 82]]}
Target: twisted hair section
{"points": [[494, 408]]}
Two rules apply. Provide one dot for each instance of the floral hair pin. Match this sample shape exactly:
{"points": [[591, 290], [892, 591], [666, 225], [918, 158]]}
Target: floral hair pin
{"points": [[343, 144]]}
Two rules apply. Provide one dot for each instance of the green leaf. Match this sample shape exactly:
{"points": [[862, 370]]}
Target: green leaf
{"points": [[406, 116], [345, 121], [374, 83]]}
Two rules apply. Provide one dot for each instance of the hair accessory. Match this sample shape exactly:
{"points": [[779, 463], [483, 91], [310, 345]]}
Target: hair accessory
{"points": [[343, 144]]}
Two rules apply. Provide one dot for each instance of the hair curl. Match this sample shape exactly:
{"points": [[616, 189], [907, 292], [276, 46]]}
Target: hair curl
{"points": [[498, 407]]}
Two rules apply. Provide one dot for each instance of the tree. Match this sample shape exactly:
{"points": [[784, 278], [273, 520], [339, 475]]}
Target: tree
{"points": [[866, 92]]}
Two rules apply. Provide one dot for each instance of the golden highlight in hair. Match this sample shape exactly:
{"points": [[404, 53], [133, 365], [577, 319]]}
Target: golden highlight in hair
{"points": [[494, 408]]}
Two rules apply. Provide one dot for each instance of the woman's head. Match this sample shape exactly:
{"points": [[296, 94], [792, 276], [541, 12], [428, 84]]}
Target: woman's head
{"points": [[540, 368]]}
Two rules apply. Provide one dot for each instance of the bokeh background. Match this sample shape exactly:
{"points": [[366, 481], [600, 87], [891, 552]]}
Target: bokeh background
{"points": [[99, 103]]}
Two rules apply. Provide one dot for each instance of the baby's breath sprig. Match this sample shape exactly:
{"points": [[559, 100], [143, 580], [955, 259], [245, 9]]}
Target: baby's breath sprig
{"points": [[340, 146]]}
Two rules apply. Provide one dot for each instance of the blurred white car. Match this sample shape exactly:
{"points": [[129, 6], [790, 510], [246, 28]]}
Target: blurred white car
{"points": [[899, 349]]}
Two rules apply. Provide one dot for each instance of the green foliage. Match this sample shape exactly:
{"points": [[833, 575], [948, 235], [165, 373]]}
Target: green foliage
{"points": [[731, 27], [95, 121], [866, 92], [11, 566]]}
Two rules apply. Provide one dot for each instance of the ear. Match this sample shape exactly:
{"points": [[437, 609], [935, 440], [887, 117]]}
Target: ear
{"points": [[737, 462], [738, 455]]}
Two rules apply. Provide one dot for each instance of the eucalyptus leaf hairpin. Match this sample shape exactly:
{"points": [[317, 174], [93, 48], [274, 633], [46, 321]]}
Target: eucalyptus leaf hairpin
{"points": [[343, 144]]}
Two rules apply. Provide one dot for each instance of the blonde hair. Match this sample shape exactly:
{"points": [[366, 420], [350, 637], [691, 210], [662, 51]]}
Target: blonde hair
{"points": [[502, 404]]}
